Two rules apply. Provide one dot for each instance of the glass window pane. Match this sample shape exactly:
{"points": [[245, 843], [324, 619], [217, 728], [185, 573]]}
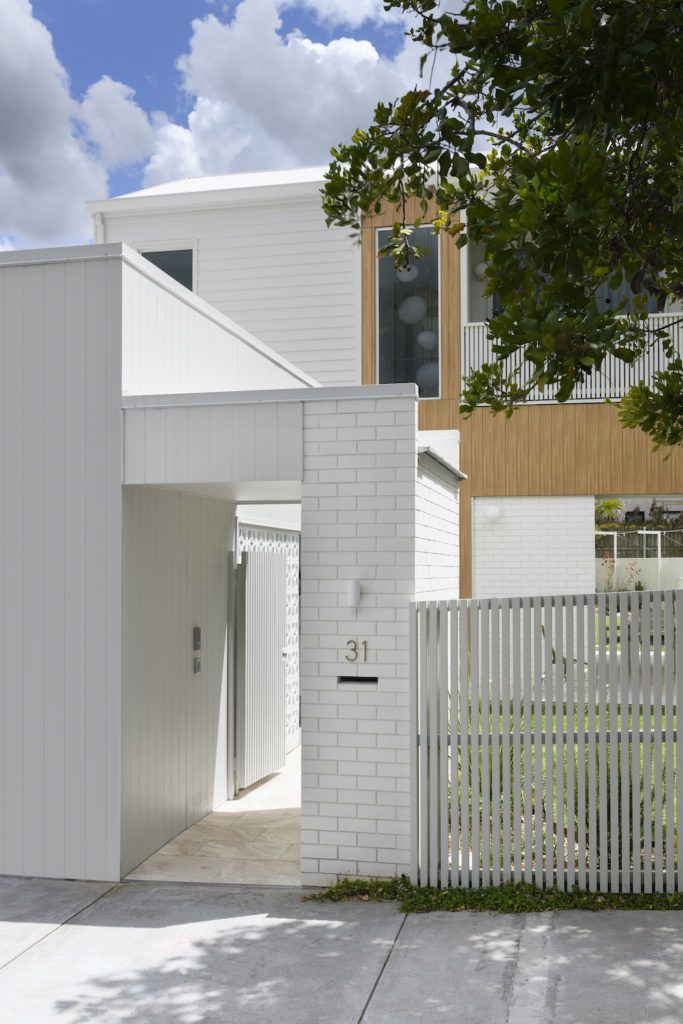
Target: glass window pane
{"points": [[408, 317], [177, 263]]}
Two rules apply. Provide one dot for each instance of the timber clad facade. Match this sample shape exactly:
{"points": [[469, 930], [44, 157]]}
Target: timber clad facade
{"points": [[543, 450]]}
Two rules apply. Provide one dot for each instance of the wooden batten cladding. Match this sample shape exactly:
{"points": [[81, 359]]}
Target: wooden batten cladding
{"points": [[542, 449], [434, 413], [556, 449]]}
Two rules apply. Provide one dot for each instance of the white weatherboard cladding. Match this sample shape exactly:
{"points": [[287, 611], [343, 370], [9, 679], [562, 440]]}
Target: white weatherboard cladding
{"points": [[173, 344], [536, 545], [60, 553], [175, 577], [274, 268], [260, 539], [437, 534]]}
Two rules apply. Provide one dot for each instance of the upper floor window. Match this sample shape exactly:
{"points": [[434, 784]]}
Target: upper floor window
{"points": [[177, 263], [408, 317]]}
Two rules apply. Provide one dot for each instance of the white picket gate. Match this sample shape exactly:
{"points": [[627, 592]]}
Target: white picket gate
{"points": [[545, 741]]}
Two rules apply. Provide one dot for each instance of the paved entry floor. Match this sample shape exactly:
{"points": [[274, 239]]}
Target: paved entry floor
{"points": [[169, 953], [253, 840]]}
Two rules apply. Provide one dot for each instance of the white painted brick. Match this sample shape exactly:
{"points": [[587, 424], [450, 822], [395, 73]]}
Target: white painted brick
{"points": [[361, 520]]}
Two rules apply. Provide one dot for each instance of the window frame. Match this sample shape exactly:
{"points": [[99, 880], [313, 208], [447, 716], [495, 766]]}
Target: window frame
{"points": [[439, 265], [171, 246]]}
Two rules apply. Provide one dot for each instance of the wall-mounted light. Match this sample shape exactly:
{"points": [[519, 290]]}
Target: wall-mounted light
{"points": [[354, 593], [480, 270], [492, 513]]}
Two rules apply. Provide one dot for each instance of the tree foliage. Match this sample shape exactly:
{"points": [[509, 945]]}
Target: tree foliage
{"points": [[560, 132]]}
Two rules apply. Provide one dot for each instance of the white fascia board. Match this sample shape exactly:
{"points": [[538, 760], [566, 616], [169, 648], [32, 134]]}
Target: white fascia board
{"points": [[431, 454], [318, 394], [124, 253], [207, 199]]}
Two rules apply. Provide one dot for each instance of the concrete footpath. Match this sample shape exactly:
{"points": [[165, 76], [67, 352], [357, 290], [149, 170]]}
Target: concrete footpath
{"points": [[177, 953]]}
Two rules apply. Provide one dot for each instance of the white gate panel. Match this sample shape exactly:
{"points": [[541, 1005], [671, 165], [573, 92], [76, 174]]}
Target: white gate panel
{"points": [[261, 666], [546, 741]]}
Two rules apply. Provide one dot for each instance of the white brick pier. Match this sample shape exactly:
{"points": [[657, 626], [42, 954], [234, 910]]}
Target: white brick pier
{"points": [[363, 519]]}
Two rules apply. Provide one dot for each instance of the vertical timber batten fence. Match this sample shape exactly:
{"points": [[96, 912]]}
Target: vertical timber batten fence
{"points": [[544, 741]]}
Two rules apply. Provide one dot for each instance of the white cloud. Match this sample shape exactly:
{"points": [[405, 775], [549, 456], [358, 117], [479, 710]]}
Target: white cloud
{"points": [[352, 13], [264, 100], [46, 170], [116, 124], [259, 99]]}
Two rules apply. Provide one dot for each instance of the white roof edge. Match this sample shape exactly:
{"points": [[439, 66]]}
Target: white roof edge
{"points": [[245, 194], [318, 394], [442, 462], [124, 253]]}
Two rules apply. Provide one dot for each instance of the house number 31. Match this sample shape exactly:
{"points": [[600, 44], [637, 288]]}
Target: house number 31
{"points": [[356, 649]]}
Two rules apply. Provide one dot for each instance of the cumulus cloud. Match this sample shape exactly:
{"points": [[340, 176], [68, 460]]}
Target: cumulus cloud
{"points": [[342, 12], [259, 99], [263, 100], [116, 124], [46, 170]]}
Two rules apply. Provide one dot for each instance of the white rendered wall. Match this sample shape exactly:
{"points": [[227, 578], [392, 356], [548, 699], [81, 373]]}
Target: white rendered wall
{"points": [[358, 522], [537, 546], [437, 533], [174, 722], [173, 342], [275, 269], [60, 564]]}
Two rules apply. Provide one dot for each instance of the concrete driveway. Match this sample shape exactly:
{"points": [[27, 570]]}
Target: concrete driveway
{"points": [[167, 953]]}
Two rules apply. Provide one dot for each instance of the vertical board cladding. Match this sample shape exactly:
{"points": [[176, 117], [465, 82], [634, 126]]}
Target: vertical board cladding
{"points": [[528, 546], [437, 531], [173, 343], [358, 523], [175, 577], [274, 268], [60, 553]]}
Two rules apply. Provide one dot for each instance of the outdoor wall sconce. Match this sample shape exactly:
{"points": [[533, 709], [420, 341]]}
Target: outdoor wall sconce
{"points": [[354, 593], [492, 513]]}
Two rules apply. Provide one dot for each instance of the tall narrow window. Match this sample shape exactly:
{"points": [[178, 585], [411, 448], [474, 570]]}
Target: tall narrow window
{"points": [[408, 317], [177, 263]]}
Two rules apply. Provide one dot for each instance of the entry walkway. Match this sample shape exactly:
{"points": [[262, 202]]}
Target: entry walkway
{"points": [[253, 840]]}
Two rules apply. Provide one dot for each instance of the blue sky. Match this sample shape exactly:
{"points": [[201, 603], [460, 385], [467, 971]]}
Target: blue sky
{"points": [[99, 97]]}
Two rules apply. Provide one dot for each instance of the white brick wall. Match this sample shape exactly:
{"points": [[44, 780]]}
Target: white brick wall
{"points": [[538, 545], [437, 541], [358, 522]]}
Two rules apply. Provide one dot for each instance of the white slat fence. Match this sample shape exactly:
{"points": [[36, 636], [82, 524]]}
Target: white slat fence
{"points": [[545, 741]]}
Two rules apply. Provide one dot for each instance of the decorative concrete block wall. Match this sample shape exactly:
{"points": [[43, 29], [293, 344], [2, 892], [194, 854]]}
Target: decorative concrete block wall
{"points": [[358, 523], [536, 545]]}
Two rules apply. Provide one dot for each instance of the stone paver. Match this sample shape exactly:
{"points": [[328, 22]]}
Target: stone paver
{"points": [[252, 840]]}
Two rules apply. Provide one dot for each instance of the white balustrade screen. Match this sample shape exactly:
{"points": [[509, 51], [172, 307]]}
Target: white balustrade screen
{"points": [[544, 741], [612, 381]]}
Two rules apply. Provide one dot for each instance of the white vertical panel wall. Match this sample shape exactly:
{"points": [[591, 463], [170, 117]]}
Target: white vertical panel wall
{"points": [[60, 593], [274, 268], [533, 545], [175, 577], [173, 342]]}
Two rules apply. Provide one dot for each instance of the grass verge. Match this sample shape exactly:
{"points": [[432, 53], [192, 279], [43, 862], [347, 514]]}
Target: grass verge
{"points": [[509, 898]]}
